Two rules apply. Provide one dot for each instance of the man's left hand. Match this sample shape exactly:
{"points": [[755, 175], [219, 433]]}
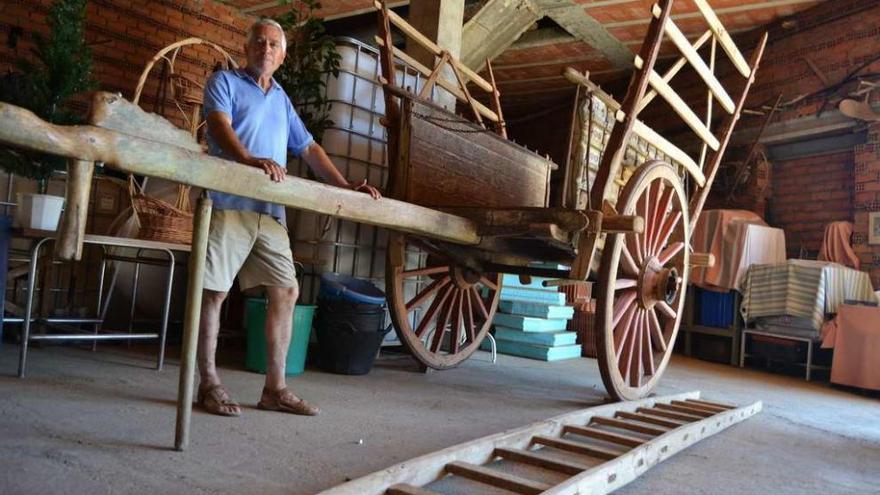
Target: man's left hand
{"points": [[363, 187]]}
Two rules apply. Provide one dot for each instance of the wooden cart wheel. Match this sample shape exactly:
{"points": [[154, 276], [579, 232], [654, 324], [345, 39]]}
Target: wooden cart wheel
{"points": [[642, 284], [441, 310]]}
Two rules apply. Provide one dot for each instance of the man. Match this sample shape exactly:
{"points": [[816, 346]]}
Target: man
{"points": [[251, 120]]}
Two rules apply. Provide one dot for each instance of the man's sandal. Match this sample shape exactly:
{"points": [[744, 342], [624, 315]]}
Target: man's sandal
{"points": [[215, 400], [286, 401]]}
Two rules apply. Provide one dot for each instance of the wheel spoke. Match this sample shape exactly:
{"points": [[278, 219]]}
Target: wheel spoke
{"points": [[658, 223], [635, 374], [488, 283], [469, 330], [666, 309], [430, 289], [480, 305], [625, 358], [442, 321], [668, 227], [643, 209], [621, 305], [430, 270], [647, 349], [632, 241], [455, 337], [628, 263], [625, 283], [626, 325], [670, 252], [658, 339], [651, 226], [432, 310]]}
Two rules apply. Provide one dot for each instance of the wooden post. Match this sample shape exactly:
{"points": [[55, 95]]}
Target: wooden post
{"points": [[201, 221], [73, 223]]}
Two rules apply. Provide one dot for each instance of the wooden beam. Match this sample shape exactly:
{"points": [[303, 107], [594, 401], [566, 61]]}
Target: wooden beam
{"points": [[573, 18], [494, 28], [724, 38], [443, 83], [678, 38], [72, 230], [680, 106], [432, 47], [647, 418], [19, 127], [668, 414]]}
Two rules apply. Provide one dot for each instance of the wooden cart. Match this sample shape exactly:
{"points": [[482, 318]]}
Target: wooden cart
{"points": [[474, 205], [443, 295]]}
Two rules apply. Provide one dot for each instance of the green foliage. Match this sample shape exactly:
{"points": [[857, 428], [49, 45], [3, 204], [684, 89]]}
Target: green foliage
{"points": [[311, 55], [59, 68]]}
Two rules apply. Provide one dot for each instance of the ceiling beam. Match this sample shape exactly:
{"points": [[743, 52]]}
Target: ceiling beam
{"points": [[497, 25], [747, 7], [574, 19], [542, 37]]}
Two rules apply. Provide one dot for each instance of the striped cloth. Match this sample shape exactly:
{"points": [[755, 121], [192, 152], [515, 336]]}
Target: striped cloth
{"points": [[802, 288]]}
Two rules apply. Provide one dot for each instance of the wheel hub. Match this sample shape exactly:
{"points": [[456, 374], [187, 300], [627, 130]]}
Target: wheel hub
{"points": [[464, 277], [657, 283]]}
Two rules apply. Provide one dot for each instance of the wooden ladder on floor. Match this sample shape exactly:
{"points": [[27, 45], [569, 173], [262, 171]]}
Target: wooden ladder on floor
{"points": [[595, 450]]}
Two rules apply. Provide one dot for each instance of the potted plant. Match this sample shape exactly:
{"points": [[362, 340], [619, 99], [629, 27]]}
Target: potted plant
{"points": [[59, 68], [311, 56]]}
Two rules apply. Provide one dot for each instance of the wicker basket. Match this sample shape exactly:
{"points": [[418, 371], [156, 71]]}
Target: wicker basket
{"points": [[162, 221], [584, 323]]}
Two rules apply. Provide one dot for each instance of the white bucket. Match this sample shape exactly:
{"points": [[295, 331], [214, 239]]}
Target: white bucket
{"points": [[39, 211]]}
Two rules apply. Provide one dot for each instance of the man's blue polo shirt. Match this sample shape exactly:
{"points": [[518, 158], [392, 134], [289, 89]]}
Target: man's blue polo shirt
{"points": [[265, 123]]}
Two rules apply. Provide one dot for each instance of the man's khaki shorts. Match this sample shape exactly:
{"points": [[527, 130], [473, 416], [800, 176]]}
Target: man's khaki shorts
{"points": [[252, 245]]}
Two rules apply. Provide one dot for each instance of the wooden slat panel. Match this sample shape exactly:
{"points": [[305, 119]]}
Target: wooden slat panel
{"points": [[577, 447], [542, 461], [443, 83], [608, 436], [647, 418], [640, 128], [680, 107], [680, 41], [497, 478], [432, 47], [626, 425], [452, 168], [724, 38]]}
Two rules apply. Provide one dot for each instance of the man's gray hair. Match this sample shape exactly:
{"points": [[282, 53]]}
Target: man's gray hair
{"points": [[267, 22]]}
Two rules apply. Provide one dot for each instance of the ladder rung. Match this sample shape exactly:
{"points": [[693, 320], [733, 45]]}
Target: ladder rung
{"points": [[536, 459], [698, 407], [686, 410], [626, 425], [711, 404], [496, 478], [608, 436], [669, 414], [724, 38], [647, 418], [404, 489], [577, 447]]}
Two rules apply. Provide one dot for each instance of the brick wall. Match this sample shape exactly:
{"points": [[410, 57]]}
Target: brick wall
{"points": [[808, 193], [867, 202], [125, 34]]}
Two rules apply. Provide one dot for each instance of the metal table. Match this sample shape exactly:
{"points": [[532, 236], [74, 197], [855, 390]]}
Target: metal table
{"points": [[102, 305]]}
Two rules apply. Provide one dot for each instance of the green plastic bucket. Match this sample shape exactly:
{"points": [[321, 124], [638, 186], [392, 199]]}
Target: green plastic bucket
{"points": [[255, 314]]}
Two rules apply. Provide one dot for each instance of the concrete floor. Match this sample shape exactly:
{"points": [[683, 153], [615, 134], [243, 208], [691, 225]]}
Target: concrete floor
{"points": [[84, 422]]}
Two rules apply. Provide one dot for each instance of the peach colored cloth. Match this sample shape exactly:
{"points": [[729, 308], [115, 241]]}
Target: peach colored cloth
{"points": [[738, 239], [836, 245], [855, 337]]}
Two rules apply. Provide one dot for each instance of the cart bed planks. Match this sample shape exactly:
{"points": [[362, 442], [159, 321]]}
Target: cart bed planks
{"points": [[625, 447]]}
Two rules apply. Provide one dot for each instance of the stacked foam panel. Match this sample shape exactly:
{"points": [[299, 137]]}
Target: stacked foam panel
{"points": [[531, 322]]}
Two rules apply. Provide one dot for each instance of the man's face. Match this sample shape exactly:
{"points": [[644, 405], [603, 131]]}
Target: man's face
{"points": [[265, 51]]}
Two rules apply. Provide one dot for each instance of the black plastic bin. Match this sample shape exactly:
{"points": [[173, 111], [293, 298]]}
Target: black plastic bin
{"points": [[349, 327], [349, 335]]}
